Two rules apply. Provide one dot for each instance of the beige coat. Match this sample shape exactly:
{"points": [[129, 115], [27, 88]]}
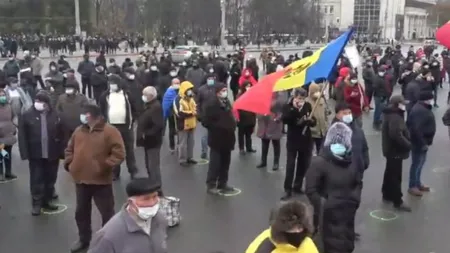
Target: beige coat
{"points": [[319, 113]]}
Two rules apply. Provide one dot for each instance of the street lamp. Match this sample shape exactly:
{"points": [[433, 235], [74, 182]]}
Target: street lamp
{"points": [[77, 18], [222, 24]]}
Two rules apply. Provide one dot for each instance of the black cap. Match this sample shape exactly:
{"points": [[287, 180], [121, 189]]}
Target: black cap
{"points": [[220, 86], [115, 79], [142, 186], [426, 95], [340, 107], [397, 99]]}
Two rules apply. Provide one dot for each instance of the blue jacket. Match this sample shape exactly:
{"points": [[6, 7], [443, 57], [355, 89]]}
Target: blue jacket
{"points": [[167, 101]]}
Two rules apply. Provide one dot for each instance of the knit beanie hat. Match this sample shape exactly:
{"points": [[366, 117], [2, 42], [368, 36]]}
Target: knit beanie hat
{"points": [[339, 133]]}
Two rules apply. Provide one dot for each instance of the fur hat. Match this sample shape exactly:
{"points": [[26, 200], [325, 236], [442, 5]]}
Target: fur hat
{"points": [[339, 133], [289, 215]]}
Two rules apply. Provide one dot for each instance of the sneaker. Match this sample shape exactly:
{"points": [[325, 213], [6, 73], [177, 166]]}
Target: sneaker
{"points": [[10, 177], [184, 164], [275, 167], [172, 151], [212, 190], [415, 192], [403, 208], [79, 246], [192, 161], [227, 190], [261, 165], [242, 152], [36, 211], [424, 188], [2, 178], [50, 207]]}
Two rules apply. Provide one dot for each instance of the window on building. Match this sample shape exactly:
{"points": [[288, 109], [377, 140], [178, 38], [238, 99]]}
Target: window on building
{"points": [[325, 9], [331, 9]]}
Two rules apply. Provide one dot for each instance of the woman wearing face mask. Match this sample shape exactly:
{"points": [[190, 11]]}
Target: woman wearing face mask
{"points": [[19, 100], [333, 176], [320, 114], [290, 231], [142, 212], [355, 97], [246, 125], [246, 75], [7, 135]]}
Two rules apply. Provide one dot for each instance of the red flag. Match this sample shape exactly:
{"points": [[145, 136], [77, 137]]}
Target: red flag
{"points": [[258, 99], [443, 35]]}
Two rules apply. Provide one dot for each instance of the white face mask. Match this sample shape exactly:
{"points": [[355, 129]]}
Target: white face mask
{"points": [[70, 91], [39, 106], [146, 213], [131, 77], [65, 75], [113, 87], [316, 94], [52, 68], [10, 58], [153, 68], [211, 71], [353, 81], [144, 99], [173, 74], [402, 107], [224, 94]]}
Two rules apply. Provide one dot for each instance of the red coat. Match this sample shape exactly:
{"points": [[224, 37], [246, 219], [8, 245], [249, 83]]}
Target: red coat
{"points": [[243, 78], [356, 99]]}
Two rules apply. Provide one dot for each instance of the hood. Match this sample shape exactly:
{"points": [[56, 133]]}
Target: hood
{"points": [[184, 87], [313, 88], [245, 70], [343, 72], [391, 109]]}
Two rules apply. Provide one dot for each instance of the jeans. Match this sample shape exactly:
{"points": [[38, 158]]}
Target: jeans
{"points": [[204, 141], [380, 103], [418, 158]]}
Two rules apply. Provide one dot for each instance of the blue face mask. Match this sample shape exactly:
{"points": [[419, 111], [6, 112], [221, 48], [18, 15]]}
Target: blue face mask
{"points": [[210, 82], [338, 149], [83, 118], [347, 118]]}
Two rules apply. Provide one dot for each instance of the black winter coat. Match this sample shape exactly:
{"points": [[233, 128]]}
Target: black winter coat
{"points": [[338, 181], [421, 124], [381, 87], [29, 132], [99, 80], [149, 133], [246, 119], [299, 131], [219, 120], [396, 141]]}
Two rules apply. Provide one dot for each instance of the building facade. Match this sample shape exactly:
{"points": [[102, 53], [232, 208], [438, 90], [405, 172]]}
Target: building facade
{"points": [[385, 19]]}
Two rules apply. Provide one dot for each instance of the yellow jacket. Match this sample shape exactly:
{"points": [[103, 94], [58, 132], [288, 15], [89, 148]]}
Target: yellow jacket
{"points": [[186, 110], [264, 244]]}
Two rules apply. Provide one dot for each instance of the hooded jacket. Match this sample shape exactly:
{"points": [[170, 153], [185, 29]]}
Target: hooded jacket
{"points": [[354, 96], [167, 101], [185, 108], [7, 127], [247, 78]]}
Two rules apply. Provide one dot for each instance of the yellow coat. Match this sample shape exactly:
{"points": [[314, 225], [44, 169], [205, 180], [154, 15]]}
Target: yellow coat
{"points": [[262, 243], [187, 108]]}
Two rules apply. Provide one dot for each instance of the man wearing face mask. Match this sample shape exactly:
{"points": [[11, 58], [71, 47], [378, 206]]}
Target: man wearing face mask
{"points": [[195, 75], [381, 92], [118, 109], [54, 81], [368, 76], [355, 98], [69, 107], [407, 76], [219, 120], [415, 87], [85, 69], [132, 87], [396, 145], [11, 67], [185, 110], [422, 127], [164, 82], [142, 214], [113, 68], [99, 81], [19, 100], [167, 105], [235, 74], [40, 142], [182, 70], [94, 149], [37, 66]]}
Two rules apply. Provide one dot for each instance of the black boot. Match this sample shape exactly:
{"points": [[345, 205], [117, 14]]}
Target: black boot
{"points": [[50, 207], [261, 165], [275, 167], [403, 208], [79, 246], [287, 195]]}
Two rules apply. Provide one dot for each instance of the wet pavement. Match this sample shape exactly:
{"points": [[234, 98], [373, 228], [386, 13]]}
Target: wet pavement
{"points": [[228, 224]]}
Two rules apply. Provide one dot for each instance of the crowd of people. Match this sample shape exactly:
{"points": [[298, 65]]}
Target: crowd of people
{"points": [[117, 106]]}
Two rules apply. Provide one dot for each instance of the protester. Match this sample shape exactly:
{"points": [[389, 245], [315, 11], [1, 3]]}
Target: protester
{"points": [[320, 115], [340, 189], [290, 231], [396, 145], [40, 142], [94, 149], [168, 112], [149, 132], [139, 221], [7, 136], [246, 125]]}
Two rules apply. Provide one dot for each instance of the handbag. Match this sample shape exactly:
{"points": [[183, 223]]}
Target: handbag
{"points": [[170, 207]]}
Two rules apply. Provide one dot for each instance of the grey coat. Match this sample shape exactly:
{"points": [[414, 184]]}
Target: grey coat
{"points": [[122, 234], [7, 128], [271, 126]]}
